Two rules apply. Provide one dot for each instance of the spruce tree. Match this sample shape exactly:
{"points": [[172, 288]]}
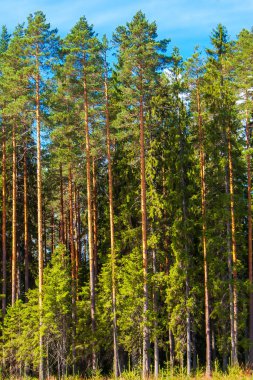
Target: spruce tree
{"points": [[242, 69]]}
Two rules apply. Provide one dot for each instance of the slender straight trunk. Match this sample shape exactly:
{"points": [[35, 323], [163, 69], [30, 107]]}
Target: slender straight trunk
{"points": [[14, 220], [204, 242], [71, 228], [18, 288], [39, 210], [187, 287], [167, 268], [94, 209], [73, 261], [230, 270], [188, 329], [213, 343], [44, 237], [3, 220], [79, 243], [90, 222], [155, 308], [66, 233], [75, 233], [52, 233], [62, 237], [146, 343], [233, 239], [116, 366], [194, 359], [26, 219], [249, 189]]}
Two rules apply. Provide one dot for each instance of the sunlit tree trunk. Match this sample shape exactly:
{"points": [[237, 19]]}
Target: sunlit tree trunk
{"points": [[73, 261], [62, 235], [26, 219], [4, 279], [234, 253], [14, 219], [116, 366], [94, 209], [52, 232], [39, 210], [90, 222]]}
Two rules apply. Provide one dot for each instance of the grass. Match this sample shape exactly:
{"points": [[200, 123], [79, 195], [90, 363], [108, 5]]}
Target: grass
{"points": [[234, 373]]}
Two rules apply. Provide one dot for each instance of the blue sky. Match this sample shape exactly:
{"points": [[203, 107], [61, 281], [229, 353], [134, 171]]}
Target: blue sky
{"points": [[186, 22]]}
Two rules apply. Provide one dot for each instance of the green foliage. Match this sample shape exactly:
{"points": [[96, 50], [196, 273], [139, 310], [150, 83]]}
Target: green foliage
{"points": [[173, 97]]}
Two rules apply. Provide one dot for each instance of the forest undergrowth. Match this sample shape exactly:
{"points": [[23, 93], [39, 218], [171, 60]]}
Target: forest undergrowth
{"points": [[232, 373]]}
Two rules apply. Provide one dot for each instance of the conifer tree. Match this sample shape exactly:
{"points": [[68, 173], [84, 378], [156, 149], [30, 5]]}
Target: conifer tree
{"points": [[195, 77], [4, 41], [83, 47], [242, 68], [139, 60], [220, 101], [41, 47], [116, 366]]}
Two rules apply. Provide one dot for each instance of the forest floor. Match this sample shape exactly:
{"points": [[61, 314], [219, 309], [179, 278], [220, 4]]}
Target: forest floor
{"points": [[234, 374]]}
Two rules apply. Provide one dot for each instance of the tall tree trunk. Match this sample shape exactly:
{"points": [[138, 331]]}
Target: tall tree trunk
{"points": [[66, 233], [116, 366], [14, 220], [90, 223], [79, 243], [94, 209], [230, 270], [155, 308], [73, 260], [75, 223], [187, 287], [4, 282], [44, 237], [39, 210], [146, 343], [71, 227], [233, 239], [26, 219], [52, 233], [62, 236], [188, 328], [204, 242], [249, 189]]}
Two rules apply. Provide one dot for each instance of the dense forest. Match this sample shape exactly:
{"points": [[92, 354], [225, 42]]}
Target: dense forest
{"points": [[126, 205]]}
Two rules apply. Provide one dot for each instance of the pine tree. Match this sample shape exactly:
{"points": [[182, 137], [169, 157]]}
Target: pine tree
{"points": [[116, 366], [4, 41], [41, 47], [139, 60], [83, 49]]}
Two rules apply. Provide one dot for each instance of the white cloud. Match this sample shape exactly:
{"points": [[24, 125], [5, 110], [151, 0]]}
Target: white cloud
{"points": [[187, 22]]}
